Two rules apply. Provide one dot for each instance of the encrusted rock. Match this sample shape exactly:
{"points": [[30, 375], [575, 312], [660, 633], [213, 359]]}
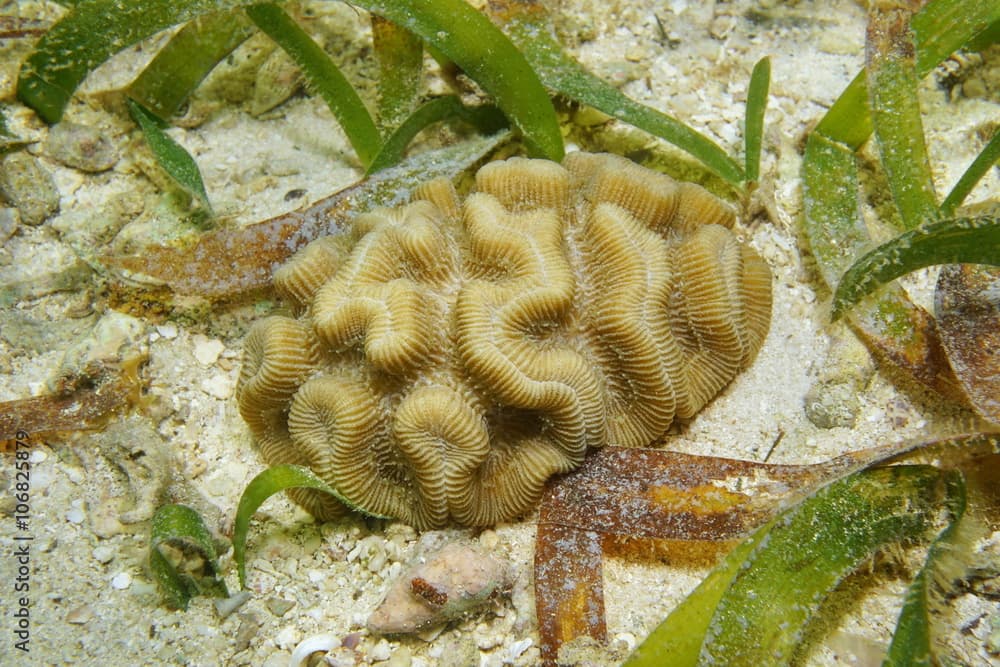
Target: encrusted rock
{"points": [[443, 586], [28, 187], [81, 147], [834, 398], [449, 356]]}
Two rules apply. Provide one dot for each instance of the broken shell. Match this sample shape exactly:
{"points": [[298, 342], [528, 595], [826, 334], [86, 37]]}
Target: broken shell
{"points": [[315, 644], [446, 585]]}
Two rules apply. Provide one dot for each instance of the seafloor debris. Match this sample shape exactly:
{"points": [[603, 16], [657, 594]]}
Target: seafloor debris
{"points": [[99, 376], [454, 354], [88, 406], [443, 586]]}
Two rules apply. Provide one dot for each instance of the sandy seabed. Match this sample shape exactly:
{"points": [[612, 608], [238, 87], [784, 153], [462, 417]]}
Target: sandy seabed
{"points": [[92, 600]]}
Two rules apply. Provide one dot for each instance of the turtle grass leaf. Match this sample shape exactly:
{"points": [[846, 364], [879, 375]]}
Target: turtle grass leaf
{"points": [[974, 240], [940, 28], [324, 77], [911, 642], [771, 586], [987, 157], [634, 499], [182, 556], [893, 327], [177, 68], [753, 126], [170, 155], [487, 119], [895, 113], [640, 501], [91, 32], [228, 262], [269, 482], [529, 26], [400, 56], [467, 38]]}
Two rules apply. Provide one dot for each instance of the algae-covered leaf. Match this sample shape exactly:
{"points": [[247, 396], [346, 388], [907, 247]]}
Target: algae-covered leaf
{"points": [[753, 126], [771, 586], [324, 77], [107, 392], [529, 27], [468, 38], [911, 642], [90, 33], [170, 155], [627, 499], [271, 481], [940, 28], [895, 113], [178, 68], [400, 56], [182, 556], [569, 586], [974, 240], [833, 223], [967, 307]]}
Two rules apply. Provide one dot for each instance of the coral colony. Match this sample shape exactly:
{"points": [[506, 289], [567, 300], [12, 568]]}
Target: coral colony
{"points": [[448, 356]]}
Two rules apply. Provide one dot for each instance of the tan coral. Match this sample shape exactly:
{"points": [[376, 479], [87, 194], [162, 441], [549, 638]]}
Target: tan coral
{"points": [[450, 356]]}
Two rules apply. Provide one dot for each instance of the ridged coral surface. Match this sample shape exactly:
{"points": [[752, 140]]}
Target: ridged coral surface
{"points": [[448, 356]]}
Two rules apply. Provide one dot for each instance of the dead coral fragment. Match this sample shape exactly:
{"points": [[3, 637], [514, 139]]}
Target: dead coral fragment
{"points": [[451, 356]]}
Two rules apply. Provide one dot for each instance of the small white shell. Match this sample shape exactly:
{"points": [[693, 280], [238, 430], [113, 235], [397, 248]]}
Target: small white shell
{"points": [[310, 645]]}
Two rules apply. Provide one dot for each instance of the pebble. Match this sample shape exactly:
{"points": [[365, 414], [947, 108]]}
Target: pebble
{"points": [[278, 606], [80, 615], [225, 606], [168, 330], [75, 513], [29, 187], [401, 657], [207, 350], [218, 386], [121, 581], [103, 554], [288, 637], [81, 147], [380, 652]]}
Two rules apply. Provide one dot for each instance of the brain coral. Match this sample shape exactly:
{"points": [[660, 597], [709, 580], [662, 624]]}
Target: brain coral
{"points": [[447, 357]]}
